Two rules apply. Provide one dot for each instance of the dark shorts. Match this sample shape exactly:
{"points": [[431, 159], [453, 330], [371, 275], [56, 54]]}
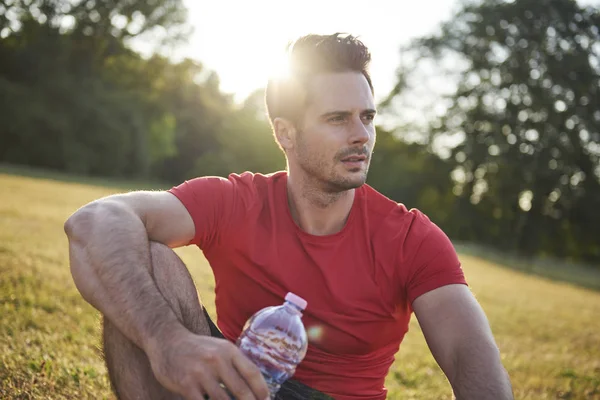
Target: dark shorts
{"points": [[291, 389]]}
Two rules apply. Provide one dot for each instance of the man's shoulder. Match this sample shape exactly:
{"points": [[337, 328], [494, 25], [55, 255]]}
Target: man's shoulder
{"points": [[253, 187], [396, 218], [256, 179], [379, 204], [243, 188]]}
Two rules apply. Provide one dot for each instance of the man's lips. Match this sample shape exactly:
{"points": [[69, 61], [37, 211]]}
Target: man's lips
{"points": [[354, 159]]}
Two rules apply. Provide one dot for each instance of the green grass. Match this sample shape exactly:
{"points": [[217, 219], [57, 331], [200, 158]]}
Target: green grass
{"points": [[548, 332]]}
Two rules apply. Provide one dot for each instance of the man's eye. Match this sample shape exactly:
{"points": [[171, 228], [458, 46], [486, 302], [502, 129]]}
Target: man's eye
{"points": [[337, 118], [369, 117]]}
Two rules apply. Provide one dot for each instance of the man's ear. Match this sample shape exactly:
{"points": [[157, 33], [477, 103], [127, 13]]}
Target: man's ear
{"points": [[285, 132]]}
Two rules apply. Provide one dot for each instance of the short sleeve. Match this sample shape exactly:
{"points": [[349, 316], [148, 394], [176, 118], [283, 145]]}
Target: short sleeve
{"points": [[435, 264], [209, 200]]}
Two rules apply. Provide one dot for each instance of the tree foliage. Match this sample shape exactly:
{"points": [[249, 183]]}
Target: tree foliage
{"points": [[526, 168], [76, 98]]}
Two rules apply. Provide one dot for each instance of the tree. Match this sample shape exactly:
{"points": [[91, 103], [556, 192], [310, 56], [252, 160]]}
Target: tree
{"points": [[526, 111], [76, 98], [119, 19], [245, 142]]}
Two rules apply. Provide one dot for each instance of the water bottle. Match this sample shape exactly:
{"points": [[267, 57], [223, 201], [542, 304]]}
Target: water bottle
{"points": [[275, 340]]}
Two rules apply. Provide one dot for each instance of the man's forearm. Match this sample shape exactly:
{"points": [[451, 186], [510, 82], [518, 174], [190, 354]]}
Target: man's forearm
{"points": [[481, 377], [110, 263]]}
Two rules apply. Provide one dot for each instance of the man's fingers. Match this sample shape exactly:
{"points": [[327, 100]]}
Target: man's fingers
{"points": [[195, 393], [236, 385], [207, 384], [251, 374], [214, 391]]}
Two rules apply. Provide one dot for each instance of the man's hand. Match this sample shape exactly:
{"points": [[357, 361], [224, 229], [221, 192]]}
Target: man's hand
{"points": [[195, 366]]}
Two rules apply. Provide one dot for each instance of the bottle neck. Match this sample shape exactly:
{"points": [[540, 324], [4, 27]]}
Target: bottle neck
{"points": [[291, 307]]}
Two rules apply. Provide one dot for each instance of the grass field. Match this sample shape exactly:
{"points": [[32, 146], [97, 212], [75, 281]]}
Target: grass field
{"points": [[548, 332]]}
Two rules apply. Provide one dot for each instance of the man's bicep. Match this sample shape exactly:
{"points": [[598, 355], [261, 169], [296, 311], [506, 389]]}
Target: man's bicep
{"points": [[453, 323], [165, 217]]}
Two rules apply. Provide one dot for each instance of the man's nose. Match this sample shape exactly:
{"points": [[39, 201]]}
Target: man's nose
{"points": [[360, 133]]}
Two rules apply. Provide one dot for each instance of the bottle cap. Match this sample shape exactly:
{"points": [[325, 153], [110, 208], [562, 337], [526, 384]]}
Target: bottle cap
{"points": [[296, 300]]}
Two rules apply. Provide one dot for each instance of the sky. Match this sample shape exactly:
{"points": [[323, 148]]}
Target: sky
{"points": [[241, 40]]}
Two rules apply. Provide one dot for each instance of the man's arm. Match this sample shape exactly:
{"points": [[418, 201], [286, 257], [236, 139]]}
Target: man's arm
{"points": [[110, 264], [109, 254], [460, 339]]}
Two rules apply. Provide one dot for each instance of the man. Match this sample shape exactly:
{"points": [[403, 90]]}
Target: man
{"points": [[363, 262]]}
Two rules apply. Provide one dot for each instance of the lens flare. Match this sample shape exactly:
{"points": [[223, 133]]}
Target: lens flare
{"points": [[315, 333]]}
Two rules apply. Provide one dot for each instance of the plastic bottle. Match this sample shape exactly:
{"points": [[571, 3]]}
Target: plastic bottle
{"points": [[275, 340]]}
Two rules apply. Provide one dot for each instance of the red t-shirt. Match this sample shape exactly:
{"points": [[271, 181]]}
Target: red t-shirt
{"points": [[359, 283]]}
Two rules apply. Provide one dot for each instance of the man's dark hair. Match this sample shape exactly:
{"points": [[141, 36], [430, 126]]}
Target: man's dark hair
{"points": [[287, 97]]}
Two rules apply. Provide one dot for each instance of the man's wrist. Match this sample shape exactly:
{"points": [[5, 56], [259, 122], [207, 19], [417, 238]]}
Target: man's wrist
{"points": [[161, 335]]}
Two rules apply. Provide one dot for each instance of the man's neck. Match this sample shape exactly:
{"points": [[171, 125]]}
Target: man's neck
{"points": [[315, 211]]}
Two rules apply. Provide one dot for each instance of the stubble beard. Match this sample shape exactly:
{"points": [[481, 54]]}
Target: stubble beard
{"points": [[325, 174]]}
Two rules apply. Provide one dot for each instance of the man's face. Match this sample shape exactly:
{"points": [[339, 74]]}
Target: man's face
{"points": [[334, 141]]}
